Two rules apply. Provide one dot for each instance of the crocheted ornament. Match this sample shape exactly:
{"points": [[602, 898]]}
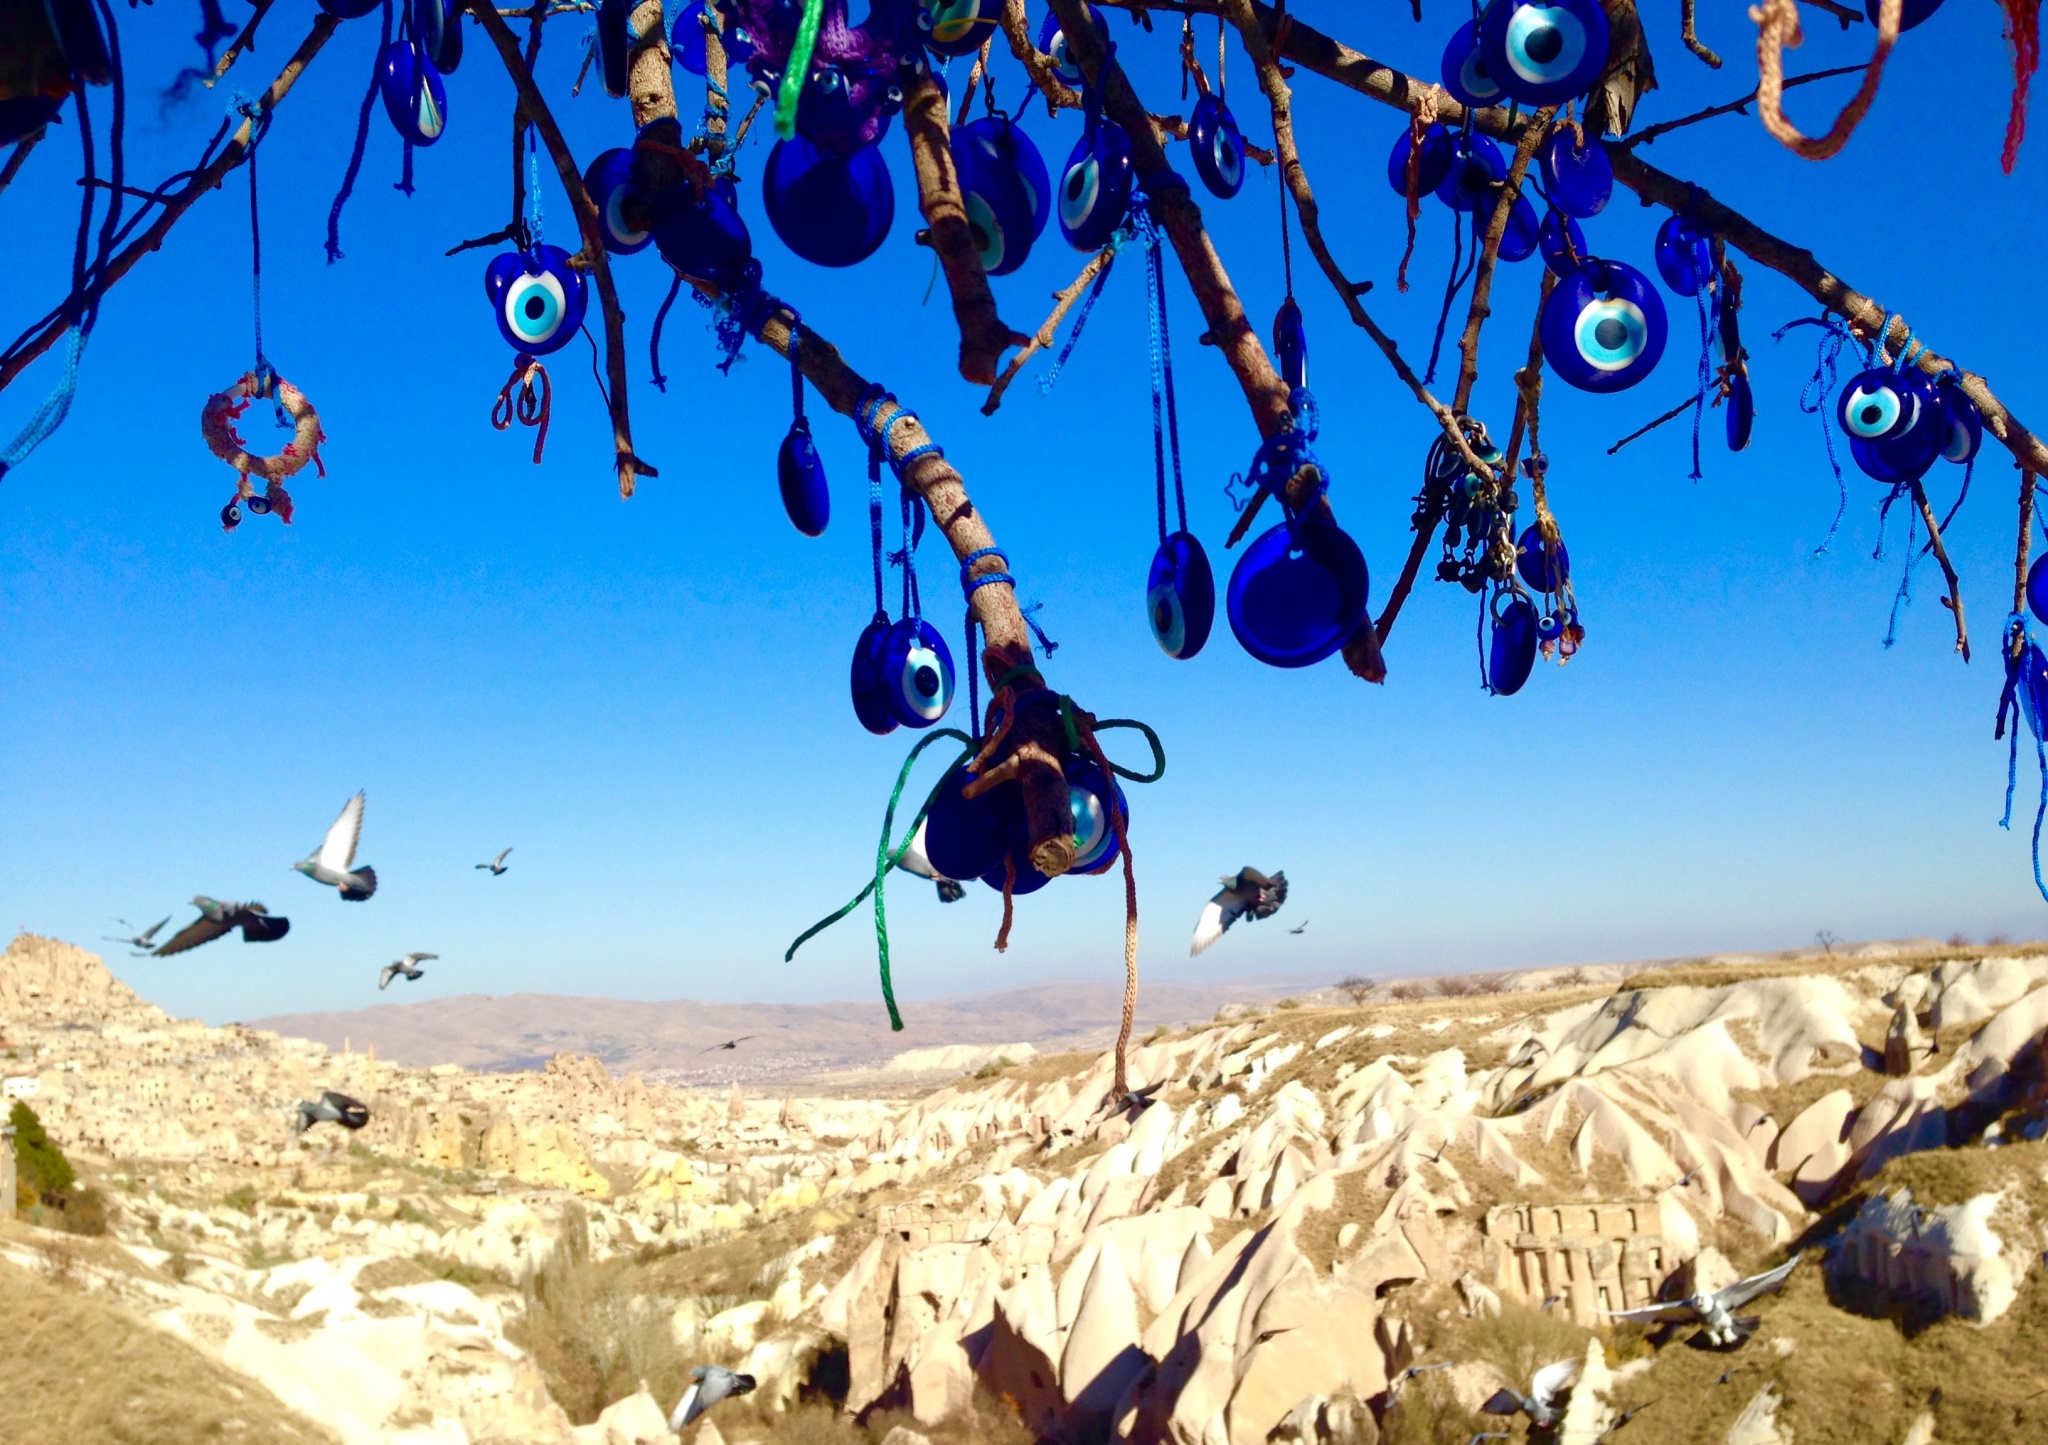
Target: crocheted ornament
{"points": [[217, 424]]}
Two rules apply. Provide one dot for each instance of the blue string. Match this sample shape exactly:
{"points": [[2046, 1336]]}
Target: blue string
{"points": [[56, 406], [1152, 299], [875, 528], [532, 186], [1451, 288], [1116, 245], [654, 339], [355, 159], [1813, 400], [1706, 377]]}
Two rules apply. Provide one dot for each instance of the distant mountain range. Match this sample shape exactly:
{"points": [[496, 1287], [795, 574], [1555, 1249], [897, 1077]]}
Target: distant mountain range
{"points": [[671, 1038]]}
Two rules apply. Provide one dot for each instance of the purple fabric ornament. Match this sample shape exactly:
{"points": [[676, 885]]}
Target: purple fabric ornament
{"points": [[858, 72]]}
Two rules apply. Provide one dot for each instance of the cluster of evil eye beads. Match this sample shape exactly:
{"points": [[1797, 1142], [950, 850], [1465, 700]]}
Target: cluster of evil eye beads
{"points": [[986, 836], [1900, 421]]}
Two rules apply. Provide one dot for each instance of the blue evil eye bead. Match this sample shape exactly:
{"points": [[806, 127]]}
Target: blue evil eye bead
{"points": [[1290, 345], [1021, 879], [1180, 596], [918, 670], [998, 198], [1911, 13], [1881, 404], [871, 691], [1741, 411], [957, 27], [2037, 587], [1543, 568], [830, 211], [607, 179], [538, 298], [437, 26], [686, 40], [1549, 627], [1095, 188], [998, 145], [1603, 327], [1906, 458], [1965, 425], [1578, 181], [614, 44], [1476, 169], [704, 239], [1217, 146], [1465, 71], [1091, 797], [1298, 592], [414, 97], [800, 473], [1518, 241], [1437, 153], [1550, 240], [967, 837], [1512, 652], [1685, 256], [1053, 41], [2033, 689], [1542, 52], [349, 9]]}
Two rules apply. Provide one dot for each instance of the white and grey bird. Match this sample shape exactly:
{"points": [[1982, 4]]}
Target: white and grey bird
{"points": [[1249, 894], [409, 967], [144, 941], [217, 918], [1544, 1404], [1714, 1310], [914, 860], [713, 1383], [334, 861], [333, 1108], [497, 864]]}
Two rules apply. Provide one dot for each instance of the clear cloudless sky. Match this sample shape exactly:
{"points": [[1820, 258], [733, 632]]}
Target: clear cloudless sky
{"points": [[647, 698]]}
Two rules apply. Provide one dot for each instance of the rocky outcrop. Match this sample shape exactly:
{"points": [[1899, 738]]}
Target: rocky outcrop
{"points": [[1897, 1256]]}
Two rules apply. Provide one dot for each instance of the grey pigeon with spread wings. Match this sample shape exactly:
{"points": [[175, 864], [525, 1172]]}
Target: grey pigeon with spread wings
{"points": [[334, 861], [713, 1383], [333, 1108], [1544, 1404], [143, 941], [217, 918], [1250, 894], [1714, 1310], [914, 860], [497, 864], [408, 967], [729, 1044]]}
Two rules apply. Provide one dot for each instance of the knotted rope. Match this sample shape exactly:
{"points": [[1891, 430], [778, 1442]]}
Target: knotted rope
{"points": [[1419, 122], [533, 404], [1777, 30]]}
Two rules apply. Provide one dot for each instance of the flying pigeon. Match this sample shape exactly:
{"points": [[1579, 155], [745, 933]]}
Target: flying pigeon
{"points": [[729, 1043], [1394, 1389], [497, 864], [914, 860], [333, 1108], [144, 940], [409, 966], [1301, 927], [1250, 894], [216, 918], [333, 862], [1714, 1311], [714, 1383], [1544, 1404]]}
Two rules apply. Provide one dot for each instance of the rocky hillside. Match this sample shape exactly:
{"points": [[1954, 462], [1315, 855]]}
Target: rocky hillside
{"points": [[1314, 1224]]}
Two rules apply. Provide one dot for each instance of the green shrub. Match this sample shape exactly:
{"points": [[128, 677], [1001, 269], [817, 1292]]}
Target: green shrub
{"points": [[41, 1170], [242, 1197]]}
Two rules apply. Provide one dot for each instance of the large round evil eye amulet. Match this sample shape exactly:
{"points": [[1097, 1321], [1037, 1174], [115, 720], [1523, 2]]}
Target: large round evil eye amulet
{"points": [[1437, 153], [1542, 52], [537, 298], [1298, 592], [917, 668], [1578, 179], [1180, 596], [830, 210], [1604, 327], [1466, 73]]}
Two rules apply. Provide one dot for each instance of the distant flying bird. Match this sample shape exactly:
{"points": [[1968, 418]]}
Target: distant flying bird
{"points": [[1301, 927], [216, 918], [1544, 1404], [1394, 1389], [144, 940], [409, 966], [1714, 1310], [915, 861], [333, 862], [714, 1383], [333, 1108], [496, 865], [729, 1044], [1251, 893]]}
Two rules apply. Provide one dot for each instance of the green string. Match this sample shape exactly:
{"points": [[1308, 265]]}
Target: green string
{"points": [[1158, 750], [792, 91]]}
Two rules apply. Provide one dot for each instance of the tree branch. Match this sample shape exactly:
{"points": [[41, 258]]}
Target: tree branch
{"points": [[1954, 600], [1063, 302], [1489, 255], [1734, 107]]}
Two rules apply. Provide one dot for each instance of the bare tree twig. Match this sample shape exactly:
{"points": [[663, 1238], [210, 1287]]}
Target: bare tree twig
{"points": [[2019, 561], [1954, 600], [14, 162], [245, 41], [1689, 33], [1063, 302], [1734, 107], [1842, 13], [1017, 30], [1489, 256], [1649, 426]]}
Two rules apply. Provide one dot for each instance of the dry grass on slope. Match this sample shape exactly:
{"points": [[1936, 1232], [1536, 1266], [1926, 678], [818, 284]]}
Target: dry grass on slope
{"points": [[74, 1370]]}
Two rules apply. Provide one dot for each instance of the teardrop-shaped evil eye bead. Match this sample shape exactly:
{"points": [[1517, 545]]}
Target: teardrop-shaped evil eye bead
{"points": [[1290, 345], [1437, 153], [800, 475], [1518, 240], [1877, 404], [1543, 568], [538, 297], [1513, 651], [1603, 327], [1965, 425], [1095, 188], [414, 97], [1541, 52], [1464, 70], [1217, 146], [1551, 239], [1685, 256], [1475, 170], [918, 669], [608, 179], [1180, 596], [1741, 411], [871, 692], [1578, 180]]}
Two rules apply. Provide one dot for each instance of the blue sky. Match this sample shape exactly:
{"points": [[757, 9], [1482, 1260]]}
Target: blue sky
{"points": [[647, 698]]}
